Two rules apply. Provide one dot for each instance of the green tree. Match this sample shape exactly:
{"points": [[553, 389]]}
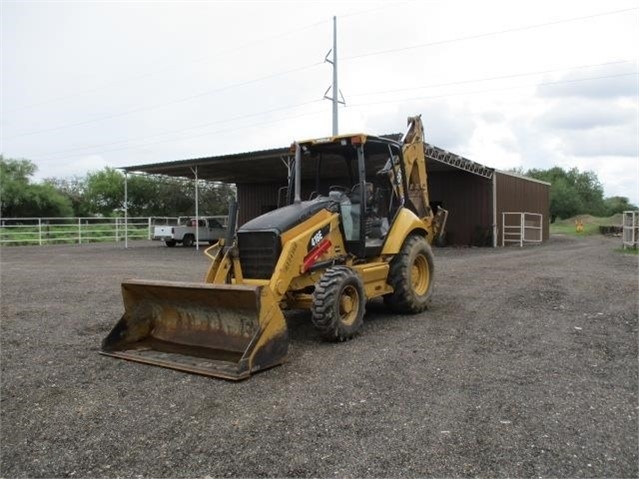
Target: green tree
{"points": [[74, 189], [21, 198], [216, 197], [589, 189], [104, 193], [617, 204], [161, 196], [152, 195], [572, 192], [564, 200]]}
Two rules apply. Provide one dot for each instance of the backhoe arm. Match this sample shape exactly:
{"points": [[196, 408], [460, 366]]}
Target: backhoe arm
{"points": [[417, 179]]}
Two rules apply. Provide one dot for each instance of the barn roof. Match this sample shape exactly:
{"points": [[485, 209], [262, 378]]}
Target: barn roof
{"points": [[267, 166]]}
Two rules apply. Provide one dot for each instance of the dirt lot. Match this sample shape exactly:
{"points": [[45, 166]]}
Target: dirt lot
{"points": [[525, 365]]}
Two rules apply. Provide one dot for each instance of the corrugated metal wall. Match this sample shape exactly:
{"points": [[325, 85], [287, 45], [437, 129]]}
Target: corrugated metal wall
{"points": [[466, 196], [254, 200], [468, 199], [516, 194]]}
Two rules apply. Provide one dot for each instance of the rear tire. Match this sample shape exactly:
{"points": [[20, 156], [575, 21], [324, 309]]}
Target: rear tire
{"points": [[188, 241], [338, 304], [170, 243], [411, 276]]}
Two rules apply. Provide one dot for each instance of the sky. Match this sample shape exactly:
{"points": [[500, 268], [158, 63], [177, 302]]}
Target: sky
{"points": [[526, 84]]}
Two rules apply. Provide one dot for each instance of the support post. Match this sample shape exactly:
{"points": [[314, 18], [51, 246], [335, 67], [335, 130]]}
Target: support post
{"points": [[126, 209], [197, 210], [495, 228], [298, 174]]}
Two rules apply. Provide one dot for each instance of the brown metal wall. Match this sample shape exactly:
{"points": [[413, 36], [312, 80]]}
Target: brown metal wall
{"points": [[524, 196], [466, 196], [254, 200], [468, 199]]}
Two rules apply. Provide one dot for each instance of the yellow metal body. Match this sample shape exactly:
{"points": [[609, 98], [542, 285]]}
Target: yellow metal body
{"points": [[232, 326]]}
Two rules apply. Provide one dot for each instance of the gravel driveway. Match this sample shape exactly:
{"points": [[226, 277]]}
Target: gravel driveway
{"points": [[525, 365]]}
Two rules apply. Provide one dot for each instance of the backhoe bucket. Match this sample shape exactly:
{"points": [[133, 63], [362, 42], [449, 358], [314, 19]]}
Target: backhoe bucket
{"points": [[220, 330]]}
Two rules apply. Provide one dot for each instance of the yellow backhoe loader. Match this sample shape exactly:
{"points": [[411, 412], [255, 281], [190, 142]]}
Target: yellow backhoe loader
{"points": [[364, 231]]}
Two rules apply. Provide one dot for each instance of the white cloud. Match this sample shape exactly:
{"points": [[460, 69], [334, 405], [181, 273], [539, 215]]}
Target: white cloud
{"points": [[572, 114], [618, 141]]}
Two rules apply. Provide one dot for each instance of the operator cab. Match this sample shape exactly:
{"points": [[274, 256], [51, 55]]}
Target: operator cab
{"points": [[364, 176]]}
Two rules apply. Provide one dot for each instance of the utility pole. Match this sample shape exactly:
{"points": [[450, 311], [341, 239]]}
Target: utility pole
{"points": [[335, 98]]}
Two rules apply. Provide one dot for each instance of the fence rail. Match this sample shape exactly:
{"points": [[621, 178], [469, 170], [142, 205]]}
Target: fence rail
{"points": [[521, 227], [42, 231], [630, 229]]}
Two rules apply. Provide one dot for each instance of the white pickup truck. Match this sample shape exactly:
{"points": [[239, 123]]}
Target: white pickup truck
{"points": [[208, 229]]}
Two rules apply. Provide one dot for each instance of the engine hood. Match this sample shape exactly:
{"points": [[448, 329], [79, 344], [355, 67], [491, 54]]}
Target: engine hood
{"points": [[287, 217]]}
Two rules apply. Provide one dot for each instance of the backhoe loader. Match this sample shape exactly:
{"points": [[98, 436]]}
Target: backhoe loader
{"points": [[363, 231]]}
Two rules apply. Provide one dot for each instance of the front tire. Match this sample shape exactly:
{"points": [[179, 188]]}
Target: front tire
{"points": [[411, 276], [188, 241], [338, 304]]}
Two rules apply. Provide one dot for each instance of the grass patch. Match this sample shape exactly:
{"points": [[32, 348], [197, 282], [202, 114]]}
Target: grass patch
{"points": [[570, 229], [61, 234], [630, 251], [591, 224]]}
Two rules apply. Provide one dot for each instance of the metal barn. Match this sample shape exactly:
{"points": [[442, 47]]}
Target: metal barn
{"points": [[483, 203]]}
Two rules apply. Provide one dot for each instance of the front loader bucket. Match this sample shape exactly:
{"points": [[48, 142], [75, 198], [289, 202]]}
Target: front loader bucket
{"points": [[220, 330]]}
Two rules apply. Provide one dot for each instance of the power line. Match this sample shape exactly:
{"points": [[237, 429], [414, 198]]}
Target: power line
{"points": [[208, 92], [156, 106], [162, 105], [493, 90], [502, 77], [228, 130], [202, 125], [351, 106], [241, 117], [486, 34], [196, 61]]}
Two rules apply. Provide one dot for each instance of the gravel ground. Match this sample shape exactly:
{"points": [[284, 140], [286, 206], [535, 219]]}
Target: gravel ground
{"points": [[525, 365]]}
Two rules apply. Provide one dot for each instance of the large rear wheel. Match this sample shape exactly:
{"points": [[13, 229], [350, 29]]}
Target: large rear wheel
{"points": [[411, 276], [338, 304]]}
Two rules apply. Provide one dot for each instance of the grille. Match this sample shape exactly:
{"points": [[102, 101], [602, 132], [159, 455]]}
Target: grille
{"points": [[259, 253]]}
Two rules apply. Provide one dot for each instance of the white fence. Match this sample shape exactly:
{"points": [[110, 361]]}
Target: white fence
{"points": [[42, 231], [517, 227], [630, 229]]}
